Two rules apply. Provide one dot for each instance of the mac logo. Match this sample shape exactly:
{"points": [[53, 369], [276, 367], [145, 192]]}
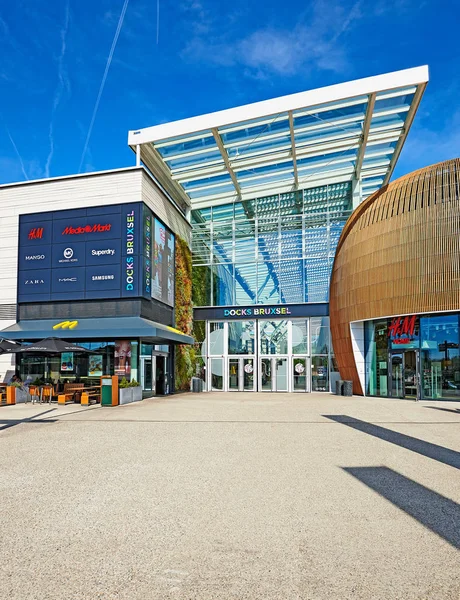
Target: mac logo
{"points": [[67, 279]]}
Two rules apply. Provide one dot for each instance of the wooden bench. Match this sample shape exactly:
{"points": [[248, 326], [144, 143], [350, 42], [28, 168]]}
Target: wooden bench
{"points": [[70, 390]]}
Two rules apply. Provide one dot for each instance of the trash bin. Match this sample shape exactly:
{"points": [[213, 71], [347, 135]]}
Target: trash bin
{"points": [[339, 387], [197, 384], [347, 388]]}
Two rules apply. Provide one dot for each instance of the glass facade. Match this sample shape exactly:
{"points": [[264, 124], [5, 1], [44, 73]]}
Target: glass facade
{"points": [[267, 355], [413, 357], [277, 249]]}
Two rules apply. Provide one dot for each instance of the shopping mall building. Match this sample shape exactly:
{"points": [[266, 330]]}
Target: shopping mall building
{"points": [[262, 194]]}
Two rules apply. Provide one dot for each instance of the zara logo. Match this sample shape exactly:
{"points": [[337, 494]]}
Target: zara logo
{"points": [[34, 281]]}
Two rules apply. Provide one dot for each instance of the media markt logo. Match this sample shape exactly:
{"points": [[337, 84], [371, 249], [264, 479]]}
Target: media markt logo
{"points": [[97, 228], [68, 256]]}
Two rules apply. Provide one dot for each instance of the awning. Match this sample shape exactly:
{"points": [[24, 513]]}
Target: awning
{"points": [[87, 329]]}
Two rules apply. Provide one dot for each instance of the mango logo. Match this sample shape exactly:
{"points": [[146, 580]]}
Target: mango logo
{"points": [[66, 325]]}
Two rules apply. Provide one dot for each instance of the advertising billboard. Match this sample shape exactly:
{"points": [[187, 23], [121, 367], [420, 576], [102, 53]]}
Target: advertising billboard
{"points": [[101, 252]]}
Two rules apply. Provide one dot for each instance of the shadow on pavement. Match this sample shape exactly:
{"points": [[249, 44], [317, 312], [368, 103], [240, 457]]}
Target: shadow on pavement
{"points": [[438, 513], [451, 410], [439, 453], [7, 423]]}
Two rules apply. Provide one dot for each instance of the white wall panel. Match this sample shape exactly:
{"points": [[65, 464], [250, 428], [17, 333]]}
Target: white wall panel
{"points": [[164, 209]]}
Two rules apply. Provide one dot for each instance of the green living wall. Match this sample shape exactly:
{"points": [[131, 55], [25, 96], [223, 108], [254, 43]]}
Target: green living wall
{"points": [[185, 355]]}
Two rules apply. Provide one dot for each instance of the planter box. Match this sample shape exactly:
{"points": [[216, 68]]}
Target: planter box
{"points": [[130, 394], [137, 393], [21, 396]]}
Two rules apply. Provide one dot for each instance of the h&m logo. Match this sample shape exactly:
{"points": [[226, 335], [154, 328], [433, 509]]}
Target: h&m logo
{"points": [[66, 325], [36, 233]]}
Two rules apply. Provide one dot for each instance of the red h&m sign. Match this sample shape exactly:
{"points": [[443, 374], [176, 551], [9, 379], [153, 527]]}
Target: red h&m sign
{"points": [[36, 233], [402, 329]]}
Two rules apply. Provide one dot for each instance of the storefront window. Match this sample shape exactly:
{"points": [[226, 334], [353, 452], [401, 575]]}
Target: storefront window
{"points": [[300, 337], [319, 327], [440, 360], [241, 337], [216, 339], [69, 366], [273, 337], [376, 343]]}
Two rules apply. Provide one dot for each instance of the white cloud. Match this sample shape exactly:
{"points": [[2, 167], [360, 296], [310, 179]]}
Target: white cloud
{"points": [[311, 44]]}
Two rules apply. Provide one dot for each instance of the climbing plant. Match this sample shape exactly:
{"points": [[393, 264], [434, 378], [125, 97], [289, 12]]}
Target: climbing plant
{"points": [[185, 355]]}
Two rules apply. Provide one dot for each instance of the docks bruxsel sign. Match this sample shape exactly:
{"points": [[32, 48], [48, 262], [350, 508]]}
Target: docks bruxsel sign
{"points": [[118, 251]]}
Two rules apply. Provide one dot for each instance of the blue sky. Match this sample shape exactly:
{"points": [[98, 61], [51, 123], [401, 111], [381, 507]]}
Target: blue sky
{"points": [[210, 55]]}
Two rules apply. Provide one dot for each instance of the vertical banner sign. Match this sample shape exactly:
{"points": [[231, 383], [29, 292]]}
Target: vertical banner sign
{"points": [[130, 223], [147, 252]]}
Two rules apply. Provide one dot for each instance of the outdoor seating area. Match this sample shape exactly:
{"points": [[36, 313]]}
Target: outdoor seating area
{"points": [[78, 393]]}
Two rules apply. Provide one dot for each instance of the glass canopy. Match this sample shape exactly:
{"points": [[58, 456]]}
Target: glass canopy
{"points": [[346, 132]]}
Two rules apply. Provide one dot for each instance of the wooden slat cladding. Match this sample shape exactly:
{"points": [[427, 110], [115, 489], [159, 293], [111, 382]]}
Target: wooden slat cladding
{"points": [[399, 253]]}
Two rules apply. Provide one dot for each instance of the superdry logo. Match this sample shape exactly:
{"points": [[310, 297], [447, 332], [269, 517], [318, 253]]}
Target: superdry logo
{"points": [[97, 228], [36, 233]]}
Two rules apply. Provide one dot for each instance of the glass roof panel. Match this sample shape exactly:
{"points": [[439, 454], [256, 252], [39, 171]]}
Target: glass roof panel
{"points": [[190, 185], [347, 130], [187, 145], [394, 102], [389, 121], [213, 157], [343, 105], [211, 191], [248, 134], [259, 146], [329, 116]]}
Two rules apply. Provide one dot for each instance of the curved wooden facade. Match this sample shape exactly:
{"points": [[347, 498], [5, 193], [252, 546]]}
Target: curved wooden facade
{"points": [[399, 254]]}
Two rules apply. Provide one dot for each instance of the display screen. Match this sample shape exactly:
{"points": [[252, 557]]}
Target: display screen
{"points": [[95, 365], [122, 358], [163, 264], [67, 361], [102, 252]]}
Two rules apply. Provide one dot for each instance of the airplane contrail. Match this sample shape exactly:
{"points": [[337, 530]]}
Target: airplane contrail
{"points": [[104, 77]]}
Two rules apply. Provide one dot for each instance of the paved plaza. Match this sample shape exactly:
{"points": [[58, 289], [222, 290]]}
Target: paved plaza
{"points": [[231, 496]]}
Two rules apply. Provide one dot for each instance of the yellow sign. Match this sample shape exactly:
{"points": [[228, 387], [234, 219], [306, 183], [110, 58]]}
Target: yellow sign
{"points": [[66, 325]]}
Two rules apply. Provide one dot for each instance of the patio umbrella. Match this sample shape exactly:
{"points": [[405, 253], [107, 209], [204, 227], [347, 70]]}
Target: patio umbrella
{"points": [[53, 345], [8, 346]]}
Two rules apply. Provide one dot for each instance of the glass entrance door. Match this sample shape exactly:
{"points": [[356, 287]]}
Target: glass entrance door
{"points": [[241, 374], [300, 374], [248, 374], [411, 378], [404, 375], [147, 381], [281, 373], [233, 374], [266, 382], [396, 371]]}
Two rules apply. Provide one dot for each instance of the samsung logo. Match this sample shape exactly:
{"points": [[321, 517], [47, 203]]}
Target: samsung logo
{"points": [[35, 257]]}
